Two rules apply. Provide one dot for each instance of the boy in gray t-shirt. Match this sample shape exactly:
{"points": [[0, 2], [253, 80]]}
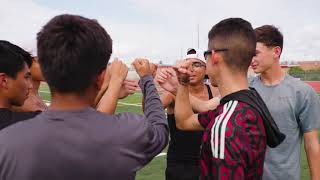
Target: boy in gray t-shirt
{"points": [[294, 106]]}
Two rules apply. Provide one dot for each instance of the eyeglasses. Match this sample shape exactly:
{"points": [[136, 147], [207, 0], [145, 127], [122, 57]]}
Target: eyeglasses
{"points": [[197, 65], [212, 51]]}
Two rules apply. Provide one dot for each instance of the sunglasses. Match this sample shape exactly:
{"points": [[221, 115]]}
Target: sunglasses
{"points": [[208, 53]]}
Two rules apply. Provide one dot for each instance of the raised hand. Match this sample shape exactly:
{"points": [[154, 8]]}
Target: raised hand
{"points": [[118, 71], [142, 67], [168, 80], [183, 72], [128, 87]]}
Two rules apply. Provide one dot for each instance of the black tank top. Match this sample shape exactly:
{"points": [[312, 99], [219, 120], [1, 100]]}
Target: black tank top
{"points": [[184, 146]]}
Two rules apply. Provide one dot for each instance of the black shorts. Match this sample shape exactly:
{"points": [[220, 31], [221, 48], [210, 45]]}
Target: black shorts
{"points": [[181, 171]]}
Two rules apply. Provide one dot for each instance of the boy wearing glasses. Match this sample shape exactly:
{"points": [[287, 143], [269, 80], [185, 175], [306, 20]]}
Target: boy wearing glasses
{"points": [[183, 156], [237, 131]]}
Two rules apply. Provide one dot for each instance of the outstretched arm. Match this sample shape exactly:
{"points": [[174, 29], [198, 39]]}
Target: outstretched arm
{"points": [[185, 118], [203, 106], [168, 80], [108, 101]]}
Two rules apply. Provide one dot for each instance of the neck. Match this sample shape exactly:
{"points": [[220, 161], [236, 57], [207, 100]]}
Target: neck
{"points": [[196, 88], [272, 76], [72, 101], [230, 82], [35, 87], [4, 103]]}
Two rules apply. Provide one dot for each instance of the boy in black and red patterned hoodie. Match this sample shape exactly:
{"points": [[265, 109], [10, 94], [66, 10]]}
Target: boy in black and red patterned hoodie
{"points": [[237, 131]]}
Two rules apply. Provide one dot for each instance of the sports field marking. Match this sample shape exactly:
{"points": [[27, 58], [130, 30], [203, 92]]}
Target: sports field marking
{"points": [[47, 102], [47, 92], [120, 104], [161, 154], [130, 104]]}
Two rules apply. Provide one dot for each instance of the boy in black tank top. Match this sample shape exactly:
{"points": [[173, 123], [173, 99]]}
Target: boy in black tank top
{"points": [[183, 154], [184, 151], [16, 83]]}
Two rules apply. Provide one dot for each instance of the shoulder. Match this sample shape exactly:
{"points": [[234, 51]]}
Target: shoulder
{"points": [[127, 121], [122, 120], [252, 80], [26, 115], [298, 86], [18, 134], [245, 112]]}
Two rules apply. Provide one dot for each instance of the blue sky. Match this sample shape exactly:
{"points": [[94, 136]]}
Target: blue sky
{"points": [[164, 29]]}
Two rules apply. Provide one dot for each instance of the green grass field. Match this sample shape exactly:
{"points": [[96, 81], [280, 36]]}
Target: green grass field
{"points": [[155, 170]]}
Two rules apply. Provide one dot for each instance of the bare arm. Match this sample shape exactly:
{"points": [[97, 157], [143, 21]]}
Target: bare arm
{"points": [[203, 106], [103, 88], [185, 118], [108, 102], [312, 148], [166, 98]]}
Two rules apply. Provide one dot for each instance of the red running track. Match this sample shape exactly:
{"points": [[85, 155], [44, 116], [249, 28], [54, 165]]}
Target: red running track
{"points": [[315, 85]]}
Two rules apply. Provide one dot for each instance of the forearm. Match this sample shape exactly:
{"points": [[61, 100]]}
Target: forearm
{"points": [[166, 99], [154, 114], [312, 148], [153, 108], [314, 163], [102, 91], [182, 109], [203, 106], [108, 101]]}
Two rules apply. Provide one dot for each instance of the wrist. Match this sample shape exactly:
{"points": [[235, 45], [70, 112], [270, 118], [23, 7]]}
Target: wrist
{"points": [[115, 84], [145, 75], [174, 92], [116, 80]]}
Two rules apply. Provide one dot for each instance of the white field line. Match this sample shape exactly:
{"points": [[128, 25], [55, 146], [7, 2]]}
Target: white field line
{"points": [[161, 154], [48, 104], [123, 103], [47, 92]]}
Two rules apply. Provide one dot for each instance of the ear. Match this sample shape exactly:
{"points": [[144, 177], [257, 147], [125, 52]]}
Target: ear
{"points": [[100, 79], [3, 80], [215, 58], [277, 52]]}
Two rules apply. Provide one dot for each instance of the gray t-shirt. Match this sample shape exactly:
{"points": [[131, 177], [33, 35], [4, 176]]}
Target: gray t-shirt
{"points": [[84, 144], [295, 108]]}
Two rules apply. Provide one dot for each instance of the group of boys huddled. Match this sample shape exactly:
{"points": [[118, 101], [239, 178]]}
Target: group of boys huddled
{"points": [[235, 127]]}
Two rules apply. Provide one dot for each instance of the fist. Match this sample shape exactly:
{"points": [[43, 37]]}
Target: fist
{"points": [[183, 72], [118, 70], [142, 67]]}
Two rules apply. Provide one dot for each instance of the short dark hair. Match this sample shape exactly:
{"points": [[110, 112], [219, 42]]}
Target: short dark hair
{"points": [[13, 58], [269, 35], [72, 51], [237, 36]]}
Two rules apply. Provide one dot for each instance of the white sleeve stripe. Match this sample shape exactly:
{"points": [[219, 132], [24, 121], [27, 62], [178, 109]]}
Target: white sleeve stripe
{"points": [[223, 131], [215, 129]]}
